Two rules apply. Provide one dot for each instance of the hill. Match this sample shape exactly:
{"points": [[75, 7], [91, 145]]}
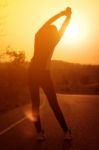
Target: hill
{"points": [[75, 78]]}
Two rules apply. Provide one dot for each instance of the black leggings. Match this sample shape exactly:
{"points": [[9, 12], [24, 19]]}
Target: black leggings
{"points": [[43, 79]]}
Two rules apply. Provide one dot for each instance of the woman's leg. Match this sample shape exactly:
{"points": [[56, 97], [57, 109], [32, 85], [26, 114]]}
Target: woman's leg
{"points": [[48, 88], [34, 92]]}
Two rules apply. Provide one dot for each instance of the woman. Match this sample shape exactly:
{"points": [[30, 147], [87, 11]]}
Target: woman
{"points": [[39, 75]]}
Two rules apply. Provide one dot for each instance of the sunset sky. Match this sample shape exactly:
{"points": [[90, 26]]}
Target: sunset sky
{"points": [[22, 19]]}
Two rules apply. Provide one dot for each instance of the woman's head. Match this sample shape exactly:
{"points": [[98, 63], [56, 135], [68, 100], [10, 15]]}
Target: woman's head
{"points": [[51, 30], [48, 36]]}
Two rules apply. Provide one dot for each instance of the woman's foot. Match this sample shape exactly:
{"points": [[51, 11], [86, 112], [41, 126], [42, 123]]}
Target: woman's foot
{"points": [[41, 136], [67, 135]]}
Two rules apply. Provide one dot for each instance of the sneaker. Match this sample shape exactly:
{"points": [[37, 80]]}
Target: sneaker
{"points": [[41, 136], [67, 135]]}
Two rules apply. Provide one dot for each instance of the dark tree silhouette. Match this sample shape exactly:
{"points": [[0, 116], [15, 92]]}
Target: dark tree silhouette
{"points": [[14, 56]]}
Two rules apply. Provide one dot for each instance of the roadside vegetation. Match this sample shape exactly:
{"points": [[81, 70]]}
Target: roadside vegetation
{"points": [[69, 78]]}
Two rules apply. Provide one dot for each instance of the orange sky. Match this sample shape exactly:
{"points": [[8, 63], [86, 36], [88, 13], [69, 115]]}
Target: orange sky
{"points": [[80, 43]]}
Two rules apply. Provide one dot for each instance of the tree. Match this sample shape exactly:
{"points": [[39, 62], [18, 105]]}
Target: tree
{"points": [[14, 56]]}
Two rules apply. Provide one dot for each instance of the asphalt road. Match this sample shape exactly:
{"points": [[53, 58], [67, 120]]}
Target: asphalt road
{"points": [[17, 131]]}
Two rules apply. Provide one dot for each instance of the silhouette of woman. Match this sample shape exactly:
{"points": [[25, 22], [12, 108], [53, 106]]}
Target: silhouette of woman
{"points": [[39, 75]]}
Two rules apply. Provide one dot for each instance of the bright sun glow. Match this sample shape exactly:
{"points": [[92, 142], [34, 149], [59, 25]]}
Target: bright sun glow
{"points": [[75, 33], [72, 32]]}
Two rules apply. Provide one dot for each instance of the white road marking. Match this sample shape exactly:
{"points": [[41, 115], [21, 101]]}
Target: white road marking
{"points": [[12, 126], [18, 122]]}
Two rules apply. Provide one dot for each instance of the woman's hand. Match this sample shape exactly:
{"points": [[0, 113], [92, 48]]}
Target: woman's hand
{"points": [[66, 12]]}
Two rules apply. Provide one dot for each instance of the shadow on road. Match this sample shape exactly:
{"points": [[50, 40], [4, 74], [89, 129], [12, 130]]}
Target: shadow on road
{"points": [[32, 144]]}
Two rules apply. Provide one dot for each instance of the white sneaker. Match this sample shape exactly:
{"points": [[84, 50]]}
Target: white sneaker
{"points": [[67, 135], [41, 136]]}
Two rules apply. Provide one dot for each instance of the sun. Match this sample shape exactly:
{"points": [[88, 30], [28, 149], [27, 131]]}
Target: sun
{"points": [[75, 33], [72, 34], [72, 31]]}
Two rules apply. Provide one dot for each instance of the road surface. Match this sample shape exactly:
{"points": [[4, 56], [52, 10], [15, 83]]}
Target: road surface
{"points": [[81, 112]]}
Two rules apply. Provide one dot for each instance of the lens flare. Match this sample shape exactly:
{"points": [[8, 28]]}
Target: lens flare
{"points": [[30, 115]]}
